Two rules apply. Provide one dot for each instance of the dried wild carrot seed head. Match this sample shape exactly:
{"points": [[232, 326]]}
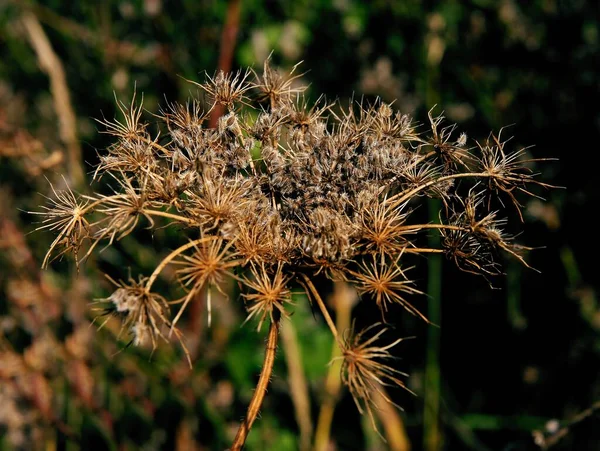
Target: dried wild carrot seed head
{"points": [[282, 192]]}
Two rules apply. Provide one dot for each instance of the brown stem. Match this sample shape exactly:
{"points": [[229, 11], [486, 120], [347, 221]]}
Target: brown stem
{"points": [[134, 54], [546, 440], [423, 250], [154, 144], [395, 430], [166, 214], [51, 64], [297, 383], [344, 298], [418, 227], [317, 297], [228, 38], [261, 387], [170, 257], [400, 198]]}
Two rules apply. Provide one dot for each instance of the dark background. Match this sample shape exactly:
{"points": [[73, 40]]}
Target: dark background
{"points": [[511, 358]]}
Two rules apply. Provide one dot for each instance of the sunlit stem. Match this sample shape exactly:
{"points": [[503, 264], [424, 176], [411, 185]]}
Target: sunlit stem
{"points": [[89, 207], [155, 145], [423, 250], [166, 214], [333, 383], [400, 198], [261, 386], [171, 256], [188, 298], [208, 303], [100, 201], [418, 227], [317, 297]]}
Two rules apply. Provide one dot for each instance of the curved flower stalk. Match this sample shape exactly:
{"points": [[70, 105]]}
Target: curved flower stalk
{"points": [[291, 193]]}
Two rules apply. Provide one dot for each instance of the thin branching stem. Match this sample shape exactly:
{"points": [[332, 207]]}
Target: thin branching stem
{"points": [[99, 201], [166, 214], [343, 302], [400, 198], [171, 256], [50, 63], [419, 227], [96, 202], [321, 304], [423, 250], [154, 144], [298, 385]]}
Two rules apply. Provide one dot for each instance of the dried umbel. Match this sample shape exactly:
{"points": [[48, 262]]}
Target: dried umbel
{"points": [[274, 198]]}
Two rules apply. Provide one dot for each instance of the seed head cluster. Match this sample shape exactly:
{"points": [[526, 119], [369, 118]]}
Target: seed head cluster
{"points": [[281, 191]]}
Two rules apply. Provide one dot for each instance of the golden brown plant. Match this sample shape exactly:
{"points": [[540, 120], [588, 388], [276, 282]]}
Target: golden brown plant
{"points": [[269, 293], [365, 371], [288, 194]]}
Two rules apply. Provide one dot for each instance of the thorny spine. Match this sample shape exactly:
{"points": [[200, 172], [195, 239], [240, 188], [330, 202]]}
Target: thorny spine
{"points": [[285, 194]]}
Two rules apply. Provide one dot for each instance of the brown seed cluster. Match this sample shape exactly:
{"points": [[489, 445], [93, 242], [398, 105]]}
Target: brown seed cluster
{"points": [[281, 191]]}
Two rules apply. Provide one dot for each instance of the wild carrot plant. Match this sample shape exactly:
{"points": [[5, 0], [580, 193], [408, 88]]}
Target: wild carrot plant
{"points": [[281, 191]]}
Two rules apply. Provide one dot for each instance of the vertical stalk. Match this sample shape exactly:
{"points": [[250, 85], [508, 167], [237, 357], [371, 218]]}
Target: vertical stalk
{"points": [[228, 38], [298, 384], [261, 386], [432, 431], [393, 425], [432, 434], [343, 299], [51, 64]]}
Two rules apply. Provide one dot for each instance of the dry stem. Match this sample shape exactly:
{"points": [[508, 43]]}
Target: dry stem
{"points": [[317, 297], [261, 387], [547, 439], [298, 385], [171, 256], [51, 64], [228, 38], [343, 299], [395, 431]]}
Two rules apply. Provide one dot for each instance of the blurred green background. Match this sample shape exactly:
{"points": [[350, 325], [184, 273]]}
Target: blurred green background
{"points": [[515, 368]]}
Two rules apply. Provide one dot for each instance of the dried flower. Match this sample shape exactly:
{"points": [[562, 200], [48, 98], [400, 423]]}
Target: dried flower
{"points": [[269, 292], [65, 216], [364, 368], [211, 262], [288, 194], [386, 282], [144, 314]]}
